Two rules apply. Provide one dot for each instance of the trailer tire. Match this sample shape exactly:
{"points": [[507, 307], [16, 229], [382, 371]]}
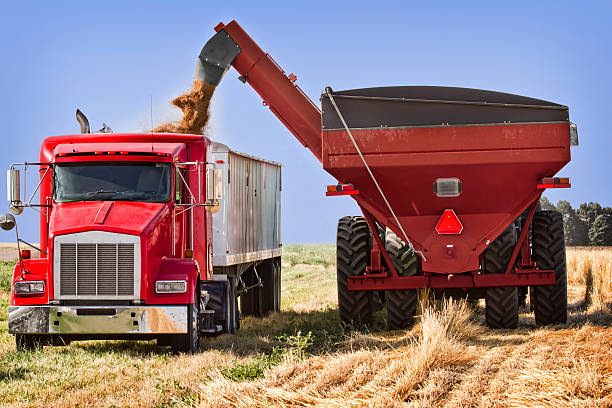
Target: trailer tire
{"points": [[401, 304], [28, 342], [251, 300], [549, 303], [501, 304], [353, 256], [270, 276], [189, 342]]}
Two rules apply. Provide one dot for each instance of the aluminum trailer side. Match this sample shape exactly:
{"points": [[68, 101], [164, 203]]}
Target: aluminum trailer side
{"points": [[246, 231]]}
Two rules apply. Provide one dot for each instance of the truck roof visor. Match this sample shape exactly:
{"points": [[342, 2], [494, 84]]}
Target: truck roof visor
{"points": [[215, 58]]}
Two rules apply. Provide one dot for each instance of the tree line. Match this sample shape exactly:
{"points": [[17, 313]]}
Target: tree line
{"points": [[589, 225]]}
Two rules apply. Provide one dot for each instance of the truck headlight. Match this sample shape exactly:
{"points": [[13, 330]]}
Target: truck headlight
{"points": [[29, 287], [171, 286]]}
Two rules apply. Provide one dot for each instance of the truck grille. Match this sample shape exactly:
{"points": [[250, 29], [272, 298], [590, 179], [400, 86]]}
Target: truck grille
{"points": [[88, 269]]}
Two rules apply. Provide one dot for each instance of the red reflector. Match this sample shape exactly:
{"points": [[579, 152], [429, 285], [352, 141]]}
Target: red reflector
{"points": [[449, 223], [26, 254], [220, 161]]}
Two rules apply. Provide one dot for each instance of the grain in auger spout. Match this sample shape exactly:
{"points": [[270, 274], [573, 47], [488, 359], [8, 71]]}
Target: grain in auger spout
{"points": [[451, 176]]}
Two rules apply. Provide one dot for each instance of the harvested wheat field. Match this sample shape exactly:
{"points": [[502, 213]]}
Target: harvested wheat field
{"points": [[301, 357]]}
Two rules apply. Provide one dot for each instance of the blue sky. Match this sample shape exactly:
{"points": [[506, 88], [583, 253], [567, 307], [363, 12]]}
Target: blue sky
{"points": [[109, 58]]}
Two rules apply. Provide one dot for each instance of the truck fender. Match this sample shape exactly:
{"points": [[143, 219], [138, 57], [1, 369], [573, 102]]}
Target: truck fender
{"points": [[179, 269]]}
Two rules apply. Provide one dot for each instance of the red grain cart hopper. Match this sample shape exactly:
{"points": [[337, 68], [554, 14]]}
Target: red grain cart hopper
{"points": [[448, 180]]}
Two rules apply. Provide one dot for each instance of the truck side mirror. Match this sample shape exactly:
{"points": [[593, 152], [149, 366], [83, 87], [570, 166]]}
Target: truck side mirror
{"points": [[7, 222], [214, 189], [13, 195]]}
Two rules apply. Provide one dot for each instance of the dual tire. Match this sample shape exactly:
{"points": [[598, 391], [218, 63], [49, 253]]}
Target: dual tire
{"points": [[353, 251], [549, 303], [258, 301], [401, 304]]}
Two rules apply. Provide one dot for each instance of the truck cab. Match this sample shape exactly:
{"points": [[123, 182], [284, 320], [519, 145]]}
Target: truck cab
{"points": [[126, 244]]}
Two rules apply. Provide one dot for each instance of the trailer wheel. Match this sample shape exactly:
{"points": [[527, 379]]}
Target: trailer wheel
{"points": [[549, 303], [501, 307], [353, 256], [270, 275], [401, 304], [251, 300], [28, 342], [190, 342]]}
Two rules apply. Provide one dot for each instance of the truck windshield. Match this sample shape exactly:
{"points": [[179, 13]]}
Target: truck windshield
{"points": [[148, 182]]}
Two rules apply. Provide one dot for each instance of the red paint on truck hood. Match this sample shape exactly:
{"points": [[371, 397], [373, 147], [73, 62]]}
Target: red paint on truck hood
{"points": [[119, 216]]}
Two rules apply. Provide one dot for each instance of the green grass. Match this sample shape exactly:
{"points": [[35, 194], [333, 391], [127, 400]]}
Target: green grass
{"points": [[121, 373], [297, 349], [6, 274], [315, 254]]}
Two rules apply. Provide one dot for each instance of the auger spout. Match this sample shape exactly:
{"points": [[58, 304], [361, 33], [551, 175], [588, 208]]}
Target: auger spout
{"points": [[233, 46]]}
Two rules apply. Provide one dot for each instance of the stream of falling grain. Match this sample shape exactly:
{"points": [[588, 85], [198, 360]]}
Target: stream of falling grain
{"points": [[194, 105]]}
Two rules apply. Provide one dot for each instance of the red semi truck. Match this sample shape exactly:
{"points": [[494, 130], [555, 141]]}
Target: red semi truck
{"points": [[448, 180], [138, 240]]}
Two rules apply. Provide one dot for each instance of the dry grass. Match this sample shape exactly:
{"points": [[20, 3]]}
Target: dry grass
{"points": [[591, 269], [375, 375], [449, 359]]}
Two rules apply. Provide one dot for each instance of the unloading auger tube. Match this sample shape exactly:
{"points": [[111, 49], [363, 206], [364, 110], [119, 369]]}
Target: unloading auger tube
{"points": [[232, 46], [328, 91]]}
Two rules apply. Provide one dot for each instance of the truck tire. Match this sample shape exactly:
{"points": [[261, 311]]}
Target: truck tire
{"points": [[353, 256], [501, 307], [270, 275], [233, 315], [401, 304], [250, 301], [549, 303], [189, 342], [28, 342]]}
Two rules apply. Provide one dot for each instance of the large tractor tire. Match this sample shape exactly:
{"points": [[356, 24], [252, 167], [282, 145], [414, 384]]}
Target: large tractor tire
{"points": [[353, 256], [549, 303], [401, 304], [501, 307]]}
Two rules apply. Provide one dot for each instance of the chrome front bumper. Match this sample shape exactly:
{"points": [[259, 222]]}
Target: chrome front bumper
{"points": [[98, 319]]}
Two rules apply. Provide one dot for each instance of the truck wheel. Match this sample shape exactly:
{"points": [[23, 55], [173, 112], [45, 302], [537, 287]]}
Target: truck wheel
{"points": [[549, 303], [353, 256], [190, 342], [250, 301], [28, 342], [401, 304], [233, 316], [501, 303], [270, 272]]}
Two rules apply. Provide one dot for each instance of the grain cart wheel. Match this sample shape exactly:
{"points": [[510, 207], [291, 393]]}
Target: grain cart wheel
{"points": [[401, 304], [269, 271], [501, 303], [549, 303], [190, 342], [353, 256], [28, 342]]}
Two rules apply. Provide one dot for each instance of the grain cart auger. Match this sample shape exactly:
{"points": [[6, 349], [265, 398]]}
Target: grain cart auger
{"points": [[448, 179]]}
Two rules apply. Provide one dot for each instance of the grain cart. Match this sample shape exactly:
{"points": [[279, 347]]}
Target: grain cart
{"points": [[145, 236], [448, 180]]}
